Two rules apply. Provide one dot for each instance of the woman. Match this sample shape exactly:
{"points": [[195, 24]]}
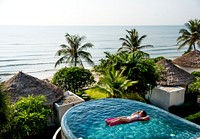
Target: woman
{"points": [[137, 116]]}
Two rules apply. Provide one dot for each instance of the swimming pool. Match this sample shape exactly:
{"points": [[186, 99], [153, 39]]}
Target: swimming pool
{"points": [[86, 120]]}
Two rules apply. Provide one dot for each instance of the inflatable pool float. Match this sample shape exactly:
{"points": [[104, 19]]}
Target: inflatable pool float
{"points": [[109, 123]]}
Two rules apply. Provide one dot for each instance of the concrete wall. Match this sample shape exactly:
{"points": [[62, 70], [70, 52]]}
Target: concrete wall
{"points": [[177, 98], [164, 97], [160, 98], [61, 109]]}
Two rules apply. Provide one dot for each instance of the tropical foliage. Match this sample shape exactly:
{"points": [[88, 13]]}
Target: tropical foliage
{"points": [[73, 53], [196, 73], [132, 42], [195, 86], [114, 83], [141, 69], [137, 68], [110, 59], [94, 94], [4, 109], [190, 36], [157, 59], [29, 117], [73, 78], [134, 96], [194, 118]]}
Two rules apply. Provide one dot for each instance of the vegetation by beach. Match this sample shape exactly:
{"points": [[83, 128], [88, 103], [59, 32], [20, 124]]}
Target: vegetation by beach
{"points": [[74, 79], [93, 94], [73, 53], [133, 42], [191, 36], [113, 83], [4, 109], [26, 119]]}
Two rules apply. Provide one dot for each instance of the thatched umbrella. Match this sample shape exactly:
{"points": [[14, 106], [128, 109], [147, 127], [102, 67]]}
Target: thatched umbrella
{"points": [[22, 85], [173, 76], [191, 59]]}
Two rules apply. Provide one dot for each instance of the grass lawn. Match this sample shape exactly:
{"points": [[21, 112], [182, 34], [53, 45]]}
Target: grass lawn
{"points": [[95, 94]]}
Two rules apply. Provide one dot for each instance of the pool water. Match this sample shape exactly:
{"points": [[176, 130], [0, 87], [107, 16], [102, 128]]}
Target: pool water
{"points": [[86, 120]]}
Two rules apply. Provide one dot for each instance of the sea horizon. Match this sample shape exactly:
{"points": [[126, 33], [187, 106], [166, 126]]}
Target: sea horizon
{"points": [[31, 49], [54, 25]]}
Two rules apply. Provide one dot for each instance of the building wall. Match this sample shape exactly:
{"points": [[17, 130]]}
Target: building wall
{"points": [[160, 98], [177, 98], [164, 97], [61, 109]]}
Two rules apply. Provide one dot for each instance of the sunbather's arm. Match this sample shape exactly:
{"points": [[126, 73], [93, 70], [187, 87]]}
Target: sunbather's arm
{"points": [[135, 113], [145, 118]]}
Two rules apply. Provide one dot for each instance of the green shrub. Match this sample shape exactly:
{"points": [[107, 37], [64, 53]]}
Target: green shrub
{"points": [[73, 78], [157, 59], [134, 96], [195, 86], [96, 94], [194, 118], [29, 117], [196, 73], [4, 108]]}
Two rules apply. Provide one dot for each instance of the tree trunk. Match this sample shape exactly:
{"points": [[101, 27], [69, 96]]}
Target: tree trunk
{"points": [[194, 47]]}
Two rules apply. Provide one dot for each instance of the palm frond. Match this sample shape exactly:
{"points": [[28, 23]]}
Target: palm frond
{"points": [[63, 46], [145, 46], [85, 46], [141, 39], [183, 44], [59, 61], [62, 52]]}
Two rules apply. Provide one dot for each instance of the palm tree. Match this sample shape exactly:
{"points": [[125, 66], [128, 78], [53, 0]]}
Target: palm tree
{"points": [[113, 83], [132, 42], [190, 36], [74, 51]]}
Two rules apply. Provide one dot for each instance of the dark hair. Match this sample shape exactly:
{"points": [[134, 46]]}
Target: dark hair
{"points": [[144, 113]]}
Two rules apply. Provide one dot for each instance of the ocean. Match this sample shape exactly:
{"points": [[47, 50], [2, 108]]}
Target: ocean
{"points": [[31, 49]]}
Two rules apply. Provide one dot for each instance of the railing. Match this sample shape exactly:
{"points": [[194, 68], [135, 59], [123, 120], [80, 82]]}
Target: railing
{"points": [[57, 134]]}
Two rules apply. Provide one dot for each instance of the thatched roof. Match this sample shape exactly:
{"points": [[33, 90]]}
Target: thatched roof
{"points": [[173, 76], [191, 59], [22, 85]]}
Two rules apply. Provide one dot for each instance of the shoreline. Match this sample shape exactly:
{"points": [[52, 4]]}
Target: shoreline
{"points": [[47, 76]]}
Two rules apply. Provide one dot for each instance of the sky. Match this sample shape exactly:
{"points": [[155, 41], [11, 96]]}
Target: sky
{"points": [[98, 12]]}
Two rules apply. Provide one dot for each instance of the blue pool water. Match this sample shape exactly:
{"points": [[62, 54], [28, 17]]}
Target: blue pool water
{"points": [[86, 121]]}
